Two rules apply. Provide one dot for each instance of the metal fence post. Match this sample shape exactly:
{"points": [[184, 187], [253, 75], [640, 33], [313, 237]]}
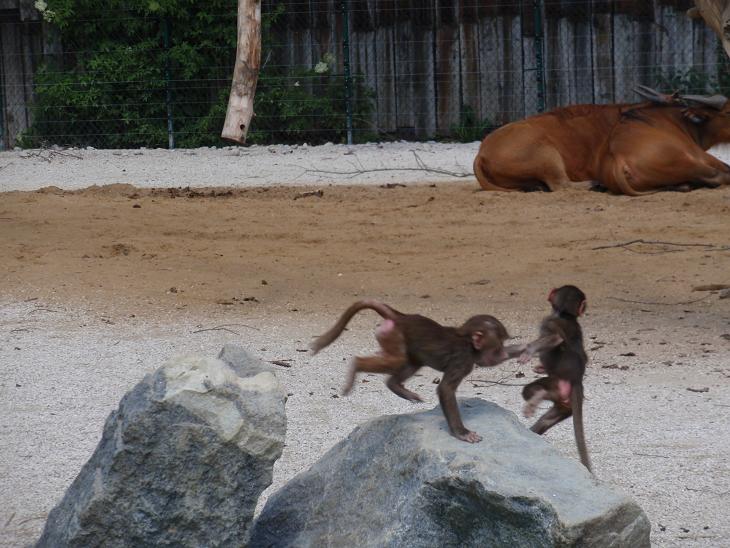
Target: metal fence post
{"points": [[537, 5], [168, 89], [345, 5]]}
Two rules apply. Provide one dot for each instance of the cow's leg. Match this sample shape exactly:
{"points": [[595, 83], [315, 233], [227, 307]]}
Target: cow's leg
{"points": [[674, 169], [559, 183], [554, 175], [714, 172], [702, 170]]}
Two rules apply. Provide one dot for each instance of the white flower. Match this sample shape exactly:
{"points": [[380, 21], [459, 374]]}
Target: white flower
{"points": [[41, 5], [296, 84], [321, 67]]}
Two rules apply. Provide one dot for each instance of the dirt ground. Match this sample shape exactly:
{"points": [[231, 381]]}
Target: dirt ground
{"points": [[99, 286]]}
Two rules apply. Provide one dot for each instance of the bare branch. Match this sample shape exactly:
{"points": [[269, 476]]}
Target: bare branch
{"points": [[420, 166], [317, 193], [653, 242], [656, 303], [711, 287], [219, 328], [225, 327]]}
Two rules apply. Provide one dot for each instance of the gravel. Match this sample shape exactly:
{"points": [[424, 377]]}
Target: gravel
{"points": [[662, 444], [73, 169]]}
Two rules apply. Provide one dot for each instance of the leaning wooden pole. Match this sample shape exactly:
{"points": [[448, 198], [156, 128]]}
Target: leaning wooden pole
{"points": [[716, 14], [245, 72]]}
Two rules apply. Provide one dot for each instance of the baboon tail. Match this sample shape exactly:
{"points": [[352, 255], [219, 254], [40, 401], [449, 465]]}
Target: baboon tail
{"points": [[576, 402], [329, 337]]}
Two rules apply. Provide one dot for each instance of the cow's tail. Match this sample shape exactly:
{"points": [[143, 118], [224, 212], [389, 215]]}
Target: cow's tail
{"points": [[482, 174], [329, 337], [623, 178]]}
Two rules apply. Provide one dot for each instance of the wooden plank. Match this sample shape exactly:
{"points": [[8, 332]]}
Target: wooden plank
{"points": [[384, 60], [558, 58], [404, 64], [529, 100], [706, 58], [511, 98], [323, 39], [624, 57], [16, 105], [491, 55], [469, 62], [603, 73], [682, 31], [448, 89], [645, 58], [424, 97], [299, 38], [363, 51], [529, 62], [582, 85]]}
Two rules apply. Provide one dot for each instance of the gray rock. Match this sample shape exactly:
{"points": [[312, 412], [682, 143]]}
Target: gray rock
{"points": [[181, 462], [242, 362], [404, 481]]}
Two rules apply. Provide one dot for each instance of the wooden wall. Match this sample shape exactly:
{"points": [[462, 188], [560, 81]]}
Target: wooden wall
{"points": [[426, 60], [20, 46]]}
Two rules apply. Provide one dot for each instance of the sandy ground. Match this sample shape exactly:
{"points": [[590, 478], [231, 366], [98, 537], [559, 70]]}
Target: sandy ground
{"points": [[100, 286]]}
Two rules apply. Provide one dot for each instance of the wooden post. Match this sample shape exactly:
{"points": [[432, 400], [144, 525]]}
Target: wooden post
{"points": [[245, 72], [716, 14]]}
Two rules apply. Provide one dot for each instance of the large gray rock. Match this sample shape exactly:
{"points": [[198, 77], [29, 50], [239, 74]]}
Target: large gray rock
{"points": [[183, 460], [404, 481]]}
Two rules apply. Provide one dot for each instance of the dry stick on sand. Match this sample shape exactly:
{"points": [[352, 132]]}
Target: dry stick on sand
{"points": [[711, 287], [225, 327], [42, 310], [51, 153], [492, 383], [317, 193], [655, 303], [419, 162], [281, 363], [653, 242]]}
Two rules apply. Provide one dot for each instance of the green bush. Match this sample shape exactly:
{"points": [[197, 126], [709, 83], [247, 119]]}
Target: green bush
{"points": [[470, 128], [694, 81], [109, 89]]}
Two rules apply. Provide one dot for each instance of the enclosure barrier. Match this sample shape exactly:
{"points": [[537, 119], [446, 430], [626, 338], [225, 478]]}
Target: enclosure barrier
{"points": [[157, 74]]}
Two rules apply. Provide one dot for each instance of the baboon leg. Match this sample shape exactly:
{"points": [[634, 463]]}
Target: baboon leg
{"points": [[395, 383], [553, 416]]}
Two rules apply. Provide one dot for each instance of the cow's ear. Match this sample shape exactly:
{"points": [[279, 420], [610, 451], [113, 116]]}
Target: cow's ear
{"points": [[694, 116]]}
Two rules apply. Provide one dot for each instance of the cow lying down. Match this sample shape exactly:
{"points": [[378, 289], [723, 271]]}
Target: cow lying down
{"points": [[630, 149]]}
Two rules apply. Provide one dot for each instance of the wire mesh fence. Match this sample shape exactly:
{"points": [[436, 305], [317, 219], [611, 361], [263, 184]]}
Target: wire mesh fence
{"points": [[156, 73]]}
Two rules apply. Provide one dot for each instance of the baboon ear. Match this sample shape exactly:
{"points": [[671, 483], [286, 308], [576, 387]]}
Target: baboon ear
{"points": [[551, 294], [477, 340], [582, 307]]}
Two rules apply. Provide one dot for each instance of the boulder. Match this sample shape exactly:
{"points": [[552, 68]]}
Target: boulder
{"points": [[402, 480], [181, 462]]}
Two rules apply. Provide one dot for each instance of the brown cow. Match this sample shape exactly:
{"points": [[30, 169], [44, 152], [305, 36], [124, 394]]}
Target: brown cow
{"points": [[627, 148], [665, 146]]}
